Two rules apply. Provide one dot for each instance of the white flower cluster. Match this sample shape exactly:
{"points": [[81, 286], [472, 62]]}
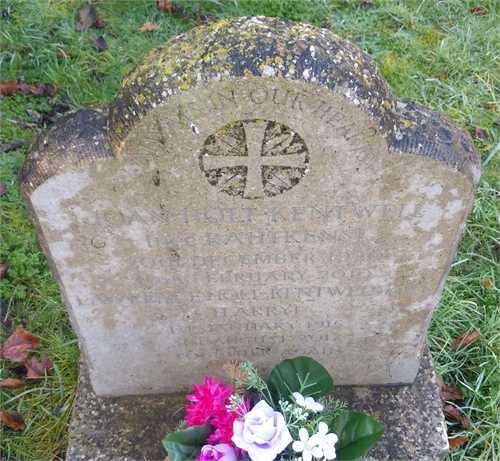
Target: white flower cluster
{"points": [[234, 401], [320, 445], [307, 402]]}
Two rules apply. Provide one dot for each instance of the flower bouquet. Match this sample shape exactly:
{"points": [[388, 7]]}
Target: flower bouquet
{"points": [[287, 417]]}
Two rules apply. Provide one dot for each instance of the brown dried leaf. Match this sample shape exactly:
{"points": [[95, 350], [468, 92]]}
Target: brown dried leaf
{"points": [[4, 267], [100, 24], [13, 419], [487, 283], [449, 394], [25, 125], [100, 43], [8, 146], [8, 87], [37, 369], [19, 345], [30, 89], [12, 383], [367, 5], [88, 16], [453, 411], [180, 10], [204, 19], [64, 54], [477, 10], [465, 339], [44, 89], [2, 189], [49, 89], [480, 134], [149, 26], [458, 441], [165, 5], [19, 370]]}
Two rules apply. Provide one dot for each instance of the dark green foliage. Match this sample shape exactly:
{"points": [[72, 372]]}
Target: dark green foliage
{"points": [[357, 433], [300, 374]]}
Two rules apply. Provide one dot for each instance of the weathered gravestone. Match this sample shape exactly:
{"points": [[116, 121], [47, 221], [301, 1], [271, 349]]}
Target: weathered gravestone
{"points": [[254, 192]]}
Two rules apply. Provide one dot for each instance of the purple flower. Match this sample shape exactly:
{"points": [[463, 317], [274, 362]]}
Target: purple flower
{"points": [[262, 432], [221, 452]]}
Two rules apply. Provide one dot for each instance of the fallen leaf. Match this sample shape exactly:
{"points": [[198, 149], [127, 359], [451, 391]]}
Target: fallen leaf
{"points": [[11, 383], [203, 18], [165, 5], [465, 339], [458, 441], [487, 283], [449, 394], [88, 16], [19, 345], [26, 125], [100, 43], [2, 189], [50, 89], [453, 411], [480, 134], [38, 369], [4, 267], [43, 89], [13, 419], [35, 116], [180, 10], [20, 370], [64, 54], [8, 87], [367, 5], [100, 24], [30, 89], [477, 10], [11, 145], [148, 26]]}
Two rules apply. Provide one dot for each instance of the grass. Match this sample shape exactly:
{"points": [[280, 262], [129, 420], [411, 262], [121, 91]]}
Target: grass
{"points": [[434, 52]]}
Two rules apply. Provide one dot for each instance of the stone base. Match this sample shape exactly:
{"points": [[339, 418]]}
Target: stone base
{"points": [[131, 428]]}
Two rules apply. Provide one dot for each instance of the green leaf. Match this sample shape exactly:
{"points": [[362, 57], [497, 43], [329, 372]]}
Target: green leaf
{"points": [[186, 444], [357, 433], [289, 375]]}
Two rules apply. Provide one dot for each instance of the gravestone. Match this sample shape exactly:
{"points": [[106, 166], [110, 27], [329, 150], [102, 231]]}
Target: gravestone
{"points": [[255, 192]]}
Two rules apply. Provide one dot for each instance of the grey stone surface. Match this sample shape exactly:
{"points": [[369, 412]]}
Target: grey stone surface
{"points": [[131, 428], [254, 192]]}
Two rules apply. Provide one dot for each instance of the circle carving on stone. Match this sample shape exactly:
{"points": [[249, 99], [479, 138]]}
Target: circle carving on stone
{"points": [[254, 159]]}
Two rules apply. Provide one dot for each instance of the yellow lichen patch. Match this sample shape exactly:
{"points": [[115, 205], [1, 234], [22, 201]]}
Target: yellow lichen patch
{"points": [[408, 123], [140, 98], [387, 105], [186, 84]]}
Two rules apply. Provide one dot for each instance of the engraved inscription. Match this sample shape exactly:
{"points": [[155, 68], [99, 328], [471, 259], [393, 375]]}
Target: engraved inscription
{"points": [[254, 159]]}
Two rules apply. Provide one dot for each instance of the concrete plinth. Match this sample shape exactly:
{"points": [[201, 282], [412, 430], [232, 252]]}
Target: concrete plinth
{"points": [[131, 428]]}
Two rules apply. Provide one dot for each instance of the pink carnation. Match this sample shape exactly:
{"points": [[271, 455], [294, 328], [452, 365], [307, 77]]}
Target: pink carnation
{"points": [[223, 423], [209, 400]]}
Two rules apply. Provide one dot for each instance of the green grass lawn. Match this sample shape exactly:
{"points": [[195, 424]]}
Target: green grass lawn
{"points": [[439, 53]]}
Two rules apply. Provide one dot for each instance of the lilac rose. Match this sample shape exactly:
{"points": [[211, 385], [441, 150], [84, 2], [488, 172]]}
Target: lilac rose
{"points": [[262, 432], [220, 452]]}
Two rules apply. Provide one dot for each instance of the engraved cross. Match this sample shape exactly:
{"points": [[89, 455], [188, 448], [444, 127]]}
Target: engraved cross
{"points": [[256, 158]]}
